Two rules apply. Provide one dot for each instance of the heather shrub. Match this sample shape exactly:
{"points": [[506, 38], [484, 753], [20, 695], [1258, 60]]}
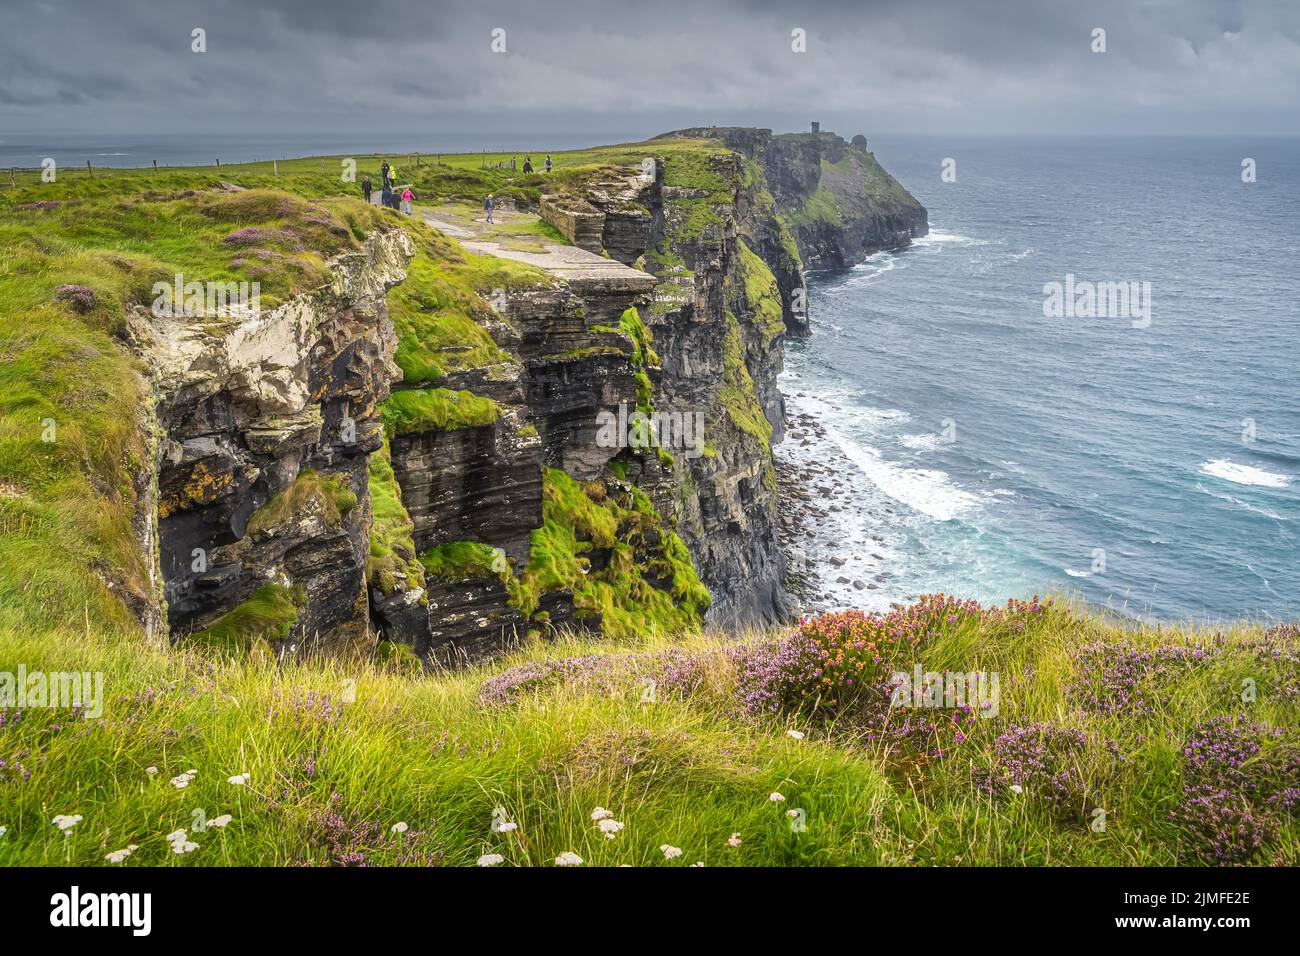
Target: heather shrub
{"points": [[1277, 654], [346, 837], [1119, 676], [596, 671], [837, 664], [1044, 763], [676, 674], [1240, 779]]}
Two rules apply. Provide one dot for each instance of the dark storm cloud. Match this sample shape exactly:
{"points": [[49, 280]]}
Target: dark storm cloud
{"points": [[921, 65]]}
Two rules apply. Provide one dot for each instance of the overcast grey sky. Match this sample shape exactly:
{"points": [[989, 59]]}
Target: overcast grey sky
{"points": [[607, 69]]}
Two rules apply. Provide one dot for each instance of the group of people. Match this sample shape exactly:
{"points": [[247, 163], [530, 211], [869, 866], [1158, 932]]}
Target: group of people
{"points": [[528, 164], [389, 197]]}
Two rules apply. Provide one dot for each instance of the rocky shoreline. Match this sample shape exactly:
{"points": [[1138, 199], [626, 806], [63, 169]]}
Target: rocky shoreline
{"points": [[813, 492]]}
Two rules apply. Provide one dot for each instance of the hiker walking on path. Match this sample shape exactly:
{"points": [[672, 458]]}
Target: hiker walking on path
{"points": [[386, 197], [513, 167], [366, 187], [548, 164], [407, 197], [383, 173], [488, 205], [528, 164]]}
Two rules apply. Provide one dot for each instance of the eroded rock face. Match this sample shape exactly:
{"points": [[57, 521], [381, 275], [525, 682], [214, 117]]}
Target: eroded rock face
{"points": [[714, 348], [569, 360], [840, 204], [265, 423], [615, 214], [871, 210], [277, 409]]}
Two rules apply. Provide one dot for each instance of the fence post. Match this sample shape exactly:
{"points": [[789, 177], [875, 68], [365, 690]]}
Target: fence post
{"points": [[90, 170], [275, 167], [218, 165]]}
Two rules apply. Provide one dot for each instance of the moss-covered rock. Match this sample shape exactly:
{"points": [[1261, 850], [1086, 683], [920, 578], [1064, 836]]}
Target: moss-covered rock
{"points": [[422, 409], [312, 495], [268, 615]]}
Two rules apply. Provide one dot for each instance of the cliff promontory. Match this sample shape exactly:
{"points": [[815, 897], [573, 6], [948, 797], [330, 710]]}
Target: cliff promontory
{"points": [[433, 434]]}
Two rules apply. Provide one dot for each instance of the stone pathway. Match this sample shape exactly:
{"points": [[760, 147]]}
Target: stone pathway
{"points": [[574, 265], [566, 262]]}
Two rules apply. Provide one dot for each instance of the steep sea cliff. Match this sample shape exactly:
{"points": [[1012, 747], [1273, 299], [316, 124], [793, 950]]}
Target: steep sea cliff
{"points": [[414, 442]]}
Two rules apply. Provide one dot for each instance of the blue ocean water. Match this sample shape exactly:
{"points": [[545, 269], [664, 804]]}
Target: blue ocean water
{"points": [[988, 450]]}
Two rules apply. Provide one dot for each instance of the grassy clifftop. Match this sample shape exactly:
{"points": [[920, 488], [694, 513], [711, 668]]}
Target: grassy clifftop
{"points": [[1108, 746]]}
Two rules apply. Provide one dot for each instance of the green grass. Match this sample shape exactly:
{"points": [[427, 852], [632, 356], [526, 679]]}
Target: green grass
{"points": [[420, 409], [392, 544], [381, 746], [268, 615], [312, 494], [819, 209], [648, 584], [761, 294], [465, 561], [738, 395]]}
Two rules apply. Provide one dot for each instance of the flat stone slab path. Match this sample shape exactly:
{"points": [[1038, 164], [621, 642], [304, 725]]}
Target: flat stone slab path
{"points": [[576, 266]]}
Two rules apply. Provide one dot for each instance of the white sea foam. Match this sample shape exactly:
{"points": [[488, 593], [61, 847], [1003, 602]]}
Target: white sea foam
{"points": [[871, 269], [920, 442], [941, 237], [925, 490], [1078, 574], [841, 404], [1243, 474]]}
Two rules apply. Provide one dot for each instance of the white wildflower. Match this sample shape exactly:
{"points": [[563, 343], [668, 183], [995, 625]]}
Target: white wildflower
{"points": [[796, 734], [568, 858], [66, 822], [610, 828], [181, 842], [117, 856], [151, 770], [507, 827], [1016, 788], [398, 827], [181, 781], [698, 863], [733, 841], [776, 798], [239, 779], [220, 821], [670, 852], [600, 813], [491, 859]]}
